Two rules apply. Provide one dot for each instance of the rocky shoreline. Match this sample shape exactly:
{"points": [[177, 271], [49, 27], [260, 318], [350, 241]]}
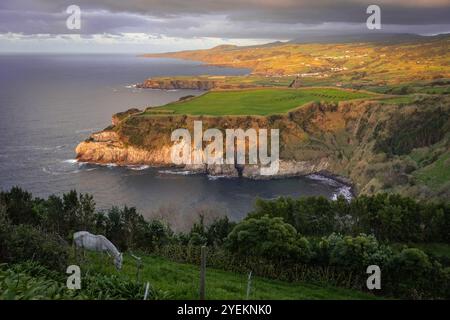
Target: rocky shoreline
{"points": [[171, 84], [106, 148]]}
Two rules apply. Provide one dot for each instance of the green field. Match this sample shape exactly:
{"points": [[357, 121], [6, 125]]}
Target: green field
{"points": [[181, 281], [255, 101]]}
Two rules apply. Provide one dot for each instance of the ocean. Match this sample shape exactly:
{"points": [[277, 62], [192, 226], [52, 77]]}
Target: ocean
{"points": [[49, 103]]}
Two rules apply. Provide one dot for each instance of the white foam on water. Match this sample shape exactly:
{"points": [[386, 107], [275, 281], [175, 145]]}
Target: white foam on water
{"points": [[177, 172], [71, 161], [343, 190], [210, 177], [138, 167]]}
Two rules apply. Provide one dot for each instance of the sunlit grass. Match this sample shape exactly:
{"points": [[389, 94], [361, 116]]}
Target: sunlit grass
{"points": [[256, 102], [181, 281]]}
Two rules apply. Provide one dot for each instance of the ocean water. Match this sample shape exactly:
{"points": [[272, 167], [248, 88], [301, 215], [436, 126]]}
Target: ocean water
{"points": [[49, 103]]}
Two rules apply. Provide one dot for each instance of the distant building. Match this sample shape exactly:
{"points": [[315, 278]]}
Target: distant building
{"points": [[296, 83]]}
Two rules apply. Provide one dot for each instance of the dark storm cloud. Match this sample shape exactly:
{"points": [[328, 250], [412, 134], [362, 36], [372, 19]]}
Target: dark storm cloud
{"points": [[231, 19]]}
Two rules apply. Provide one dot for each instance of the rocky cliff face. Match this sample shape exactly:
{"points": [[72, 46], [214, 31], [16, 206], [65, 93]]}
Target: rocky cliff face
{"points": [[195, 83], [361, 141], [107, 147], [135, 139], [170, 84]]}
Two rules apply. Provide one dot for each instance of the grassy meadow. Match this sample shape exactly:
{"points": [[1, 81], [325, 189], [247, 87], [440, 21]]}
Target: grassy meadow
{"points": [[256, 101], [181, 281]]}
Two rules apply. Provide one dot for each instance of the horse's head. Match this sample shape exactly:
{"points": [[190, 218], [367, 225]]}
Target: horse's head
{"points": [[118, 261]]}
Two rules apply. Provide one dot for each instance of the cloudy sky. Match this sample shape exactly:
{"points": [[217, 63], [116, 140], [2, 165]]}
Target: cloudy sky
{"points": [[169, 25]]}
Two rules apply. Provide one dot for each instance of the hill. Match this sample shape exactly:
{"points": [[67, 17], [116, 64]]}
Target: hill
{"points": [[382, 60]]}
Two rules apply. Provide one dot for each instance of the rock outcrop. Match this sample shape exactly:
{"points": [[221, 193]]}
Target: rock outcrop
{"points": [[106, 147], [171, 84], [364, 141]]}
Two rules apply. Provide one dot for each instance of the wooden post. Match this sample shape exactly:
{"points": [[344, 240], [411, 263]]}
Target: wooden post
{"points": [[146, 290], [249, 284], [138, 267], [202, 273]]}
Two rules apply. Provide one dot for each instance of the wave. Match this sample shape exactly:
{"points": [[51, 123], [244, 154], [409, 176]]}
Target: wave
{"points": [[108, 165], [343, 189], [212, 178], [138, 167], [71, 161], [178, 172], [60, 171]]}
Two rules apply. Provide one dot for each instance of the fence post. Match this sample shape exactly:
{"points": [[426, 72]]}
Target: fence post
{"points": [[202, 273], [138, 267], [146, 290], [249, 284]]}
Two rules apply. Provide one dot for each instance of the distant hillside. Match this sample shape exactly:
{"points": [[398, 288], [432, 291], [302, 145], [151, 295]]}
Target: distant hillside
{"points": [[377, 59]]}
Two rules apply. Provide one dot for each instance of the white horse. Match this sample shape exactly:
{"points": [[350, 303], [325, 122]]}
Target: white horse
{"points": [[89, 241]]}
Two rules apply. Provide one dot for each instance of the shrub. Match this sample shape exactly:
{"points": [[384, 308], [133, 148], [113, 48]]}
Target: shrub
{"points": [[25, 242], [412, 274], [267, 237], [355, 253]]}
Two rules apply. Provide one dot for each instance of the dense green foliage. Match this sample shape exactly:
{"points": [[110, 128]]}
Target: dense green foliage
{"points": [[389, 217], [30, 280], [306, 239], [267, 237]]}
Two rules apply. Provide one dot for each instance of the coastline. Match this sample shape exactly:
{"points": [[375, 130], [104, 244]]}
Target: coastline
{"points": [[344, 186]]}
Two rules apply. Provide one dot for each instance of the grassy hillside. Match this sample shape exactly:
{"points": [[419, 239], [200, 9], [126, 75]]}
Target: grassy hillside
{"points": [[256, 102], [375, 62], [181, 281]]}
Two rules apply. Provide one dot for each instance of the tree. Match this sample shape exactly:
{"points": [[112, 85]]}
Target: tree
{"points": [[267, 237]]}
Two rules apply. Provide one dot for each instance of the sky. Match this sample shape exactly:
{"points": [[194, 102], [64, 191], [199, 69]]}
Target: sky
{"points": [[137, 26]]}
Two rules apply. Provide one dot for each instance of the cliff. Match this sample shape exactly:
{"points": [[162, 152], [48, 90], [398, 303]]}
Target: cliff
{"points": [[366, 142], [197, 83], [170, 84]]}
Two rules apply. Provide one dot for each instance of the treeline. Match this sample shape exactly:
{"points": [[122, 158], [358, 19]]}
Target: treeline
{"points": [[389, 217], [306, 239]]}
